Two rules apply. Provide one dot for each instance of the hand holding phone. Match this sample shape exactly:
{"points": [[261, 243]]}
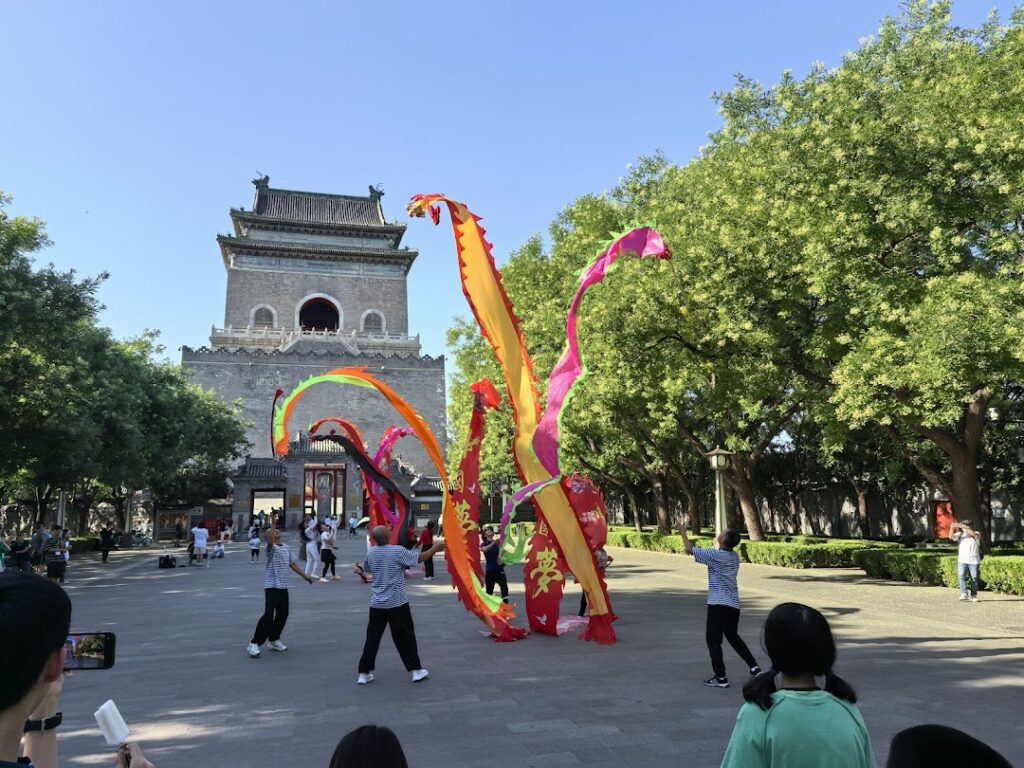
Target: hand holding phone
{"points": [[89, 650]]}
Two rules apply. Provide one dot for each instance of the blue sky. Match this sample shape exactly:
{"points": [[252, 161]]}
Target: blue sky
{"points": [[131, 127]]}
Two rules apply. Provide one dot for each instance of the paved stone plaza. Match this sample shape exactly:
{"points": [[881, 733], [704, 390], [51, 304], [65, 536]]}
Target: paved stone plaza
{"points": [[193, 697]]}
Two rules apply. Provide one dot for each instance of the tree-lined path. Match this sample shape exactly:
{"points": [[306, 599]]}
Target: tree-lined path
{"points": [[183, 681]]}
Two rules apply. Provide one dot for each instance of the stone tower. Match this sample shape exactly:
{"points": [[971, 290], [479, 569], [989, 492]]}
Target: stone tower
{"points": [[316, 281]]}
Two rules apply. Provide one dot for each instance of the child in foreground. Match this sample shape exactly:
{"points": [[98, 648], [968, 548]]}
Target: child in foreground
{"points": [[793, 723]]}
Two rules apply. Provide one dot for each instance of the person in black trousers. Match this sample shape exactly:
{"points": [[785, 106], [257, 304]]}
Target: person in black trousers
{"points": [[389, 604], [275, 610], [106, 542], [494, 572]]}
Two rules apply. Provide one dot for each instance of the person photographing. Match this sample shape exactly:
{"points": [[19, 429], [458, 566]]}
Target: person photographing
{"points": [[968, 558]]}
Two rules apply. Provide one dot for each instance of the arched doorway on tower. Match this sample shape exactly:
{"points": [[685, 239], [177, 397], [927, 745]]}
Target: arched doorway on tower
{"points": [[318, 314]]}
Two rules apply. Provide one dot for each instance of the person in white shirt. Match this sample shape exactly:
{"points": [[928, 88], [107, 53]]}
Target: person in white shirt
{"points": [[327, 545], [310, 535], [201, 536], [352, 521], [968, 557], [254, 546]]}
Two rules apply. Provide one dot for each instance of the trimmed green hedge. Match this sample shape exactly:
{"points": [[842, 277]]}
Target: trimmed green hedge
{"points": [[828, 553], [84, 544], [1004, 573]]}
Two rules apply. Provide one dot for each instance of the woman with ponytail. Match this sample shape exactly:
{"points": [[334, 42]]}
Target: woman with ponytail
{"points": [[788, 720], [275, 606]]}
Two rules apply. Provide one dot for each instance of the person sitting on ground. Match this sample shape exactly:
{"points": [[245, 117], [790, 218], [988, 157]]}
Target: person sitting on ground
{"points": [[369, 746], [798, 725], [939, 746], [35, 615], [968, 557], [218, 550]]}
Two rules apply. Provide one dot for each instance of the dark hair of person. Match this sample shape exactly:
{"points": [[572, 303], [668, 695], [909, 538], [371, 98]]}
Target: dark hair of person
{"points": [[730, 539], [34, 618], [928, 746], [431, 525], [369, 746], [798, 641]]}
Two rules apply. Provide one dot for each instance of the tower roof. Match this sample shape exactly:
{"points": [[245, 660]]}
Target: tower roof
{"points": [[317, 208]]}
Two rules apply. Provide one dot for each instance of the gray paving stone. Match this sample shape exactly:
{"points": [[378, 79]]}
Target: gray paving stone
{"points": [[193, 698]]}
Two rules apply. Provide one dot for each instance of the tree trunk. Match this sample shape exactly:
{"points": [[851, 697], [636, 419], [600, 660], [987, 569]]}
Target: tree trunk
{"points": [[42, 503], [660, 502], [967, 496], [638, 522], [740, 477], [862, 510]]}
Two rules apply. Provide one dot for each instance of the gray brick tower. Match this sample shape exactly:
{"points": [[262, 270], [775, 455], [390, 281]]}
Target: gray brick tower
{"points": [[316, 281]]}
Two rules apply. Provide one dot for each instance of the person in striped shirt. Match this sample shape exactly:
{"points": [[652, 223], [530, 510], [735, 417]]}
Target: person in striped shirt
{"points": [[723, 565], [275, 611], [389, 604]]}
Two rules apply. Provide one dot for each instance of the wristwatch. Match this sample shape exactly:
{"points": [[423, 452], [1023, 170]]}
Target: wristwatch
{"points": [[44, 725]]}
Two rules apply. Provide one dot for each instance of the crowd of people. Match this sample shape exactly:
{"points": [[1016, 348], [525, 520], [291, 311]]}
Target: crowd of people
{"points": [[798, 711], [46, 551]]}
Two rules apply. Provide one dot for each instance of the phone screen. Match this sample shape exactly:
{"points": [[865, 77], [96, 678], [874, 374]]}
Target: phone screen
{"points": [[89, 650]]}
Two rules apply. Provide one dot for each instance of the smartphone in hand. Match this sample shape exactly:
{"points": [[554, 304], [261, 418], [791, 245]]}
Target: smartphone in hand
{"points": [[89, 650]]}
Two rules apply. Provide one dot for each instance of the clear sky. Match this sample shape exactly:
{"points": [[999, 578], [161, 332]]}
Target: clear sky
{"points": [[132, 127]]}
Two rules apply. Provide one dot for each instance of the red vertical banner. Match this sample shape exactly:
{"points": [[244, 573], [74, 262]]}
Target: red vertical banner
{"points": [[466, 487], [544, 578]]}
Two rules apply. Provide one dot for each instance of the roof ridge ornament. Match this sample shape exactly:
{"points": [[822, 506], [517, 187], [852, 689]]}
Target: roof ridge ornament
{"points": [[376, 192], [262, 181]]}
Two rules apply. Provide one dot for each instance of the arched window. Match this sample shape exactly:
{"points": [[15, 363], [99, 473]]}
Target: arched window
{"points": [[319, 314], [263, 317], [373, 322]]}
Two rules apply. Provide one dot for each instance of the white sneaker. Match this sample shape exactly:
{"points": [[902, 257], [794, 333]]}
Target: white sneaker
{"points": [[253, 650], [420, 674], [428, 578], [974, 598], [963, 595], [323, 581], [277, 645], [364, 678]]}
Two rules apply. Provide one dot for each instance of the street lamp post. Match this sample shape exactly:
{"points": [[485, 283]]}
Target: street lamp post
{"points": [[719, 458]]}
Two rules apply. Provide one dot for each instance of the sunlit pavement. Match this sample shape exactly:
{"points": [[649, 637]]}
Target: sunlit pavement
{"points": [[194, 698]]}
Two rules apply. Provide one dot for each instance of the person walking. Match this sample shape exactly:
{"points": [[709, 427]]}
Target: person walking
{"points": [[352, 522], [968, 558], [494, 569], [426, 541], [327, 546], [723, 566], [201, 537], [106, 543], [389, 604], [254, 545], [65, 535], [787, 719], [275, 590]]}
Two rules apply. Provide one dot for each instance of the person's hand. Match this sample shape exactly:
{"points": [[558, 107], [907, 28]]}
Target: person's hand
{"points": [[130, 755], [440, 545], [48, 706]]}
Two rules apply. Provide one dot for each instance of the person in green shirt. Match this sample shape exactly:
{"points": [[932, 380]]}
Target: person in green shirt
{"points": [[797, 724]]}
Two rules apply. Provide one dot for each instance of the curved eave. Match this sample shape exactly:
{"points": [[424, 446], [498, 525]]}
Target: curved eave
{"points": [[240, 217], [230, 245]]}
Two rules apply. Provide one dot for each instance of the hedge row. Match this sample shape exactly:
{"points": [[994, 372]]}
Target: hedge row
{"points": [[830, 553], [1002, 574], [84, 544]]}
